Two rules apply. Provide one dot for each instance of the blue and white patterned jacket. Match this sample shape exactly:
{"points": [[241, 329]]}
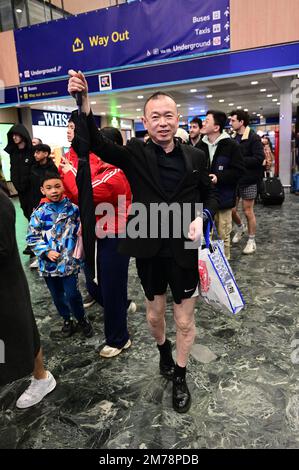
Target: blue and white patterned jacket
{"points": [[54, 226]]}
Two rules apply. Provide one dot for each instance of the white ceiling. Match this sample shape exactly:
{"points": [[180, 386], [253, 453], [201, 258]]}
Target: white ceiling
{"points": [[236, 90]]}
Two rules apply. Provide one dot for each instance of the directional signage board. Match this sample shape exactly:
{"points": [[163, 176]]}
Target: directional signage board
{"points": [[8, 96], [43, 91], [130, 34]]}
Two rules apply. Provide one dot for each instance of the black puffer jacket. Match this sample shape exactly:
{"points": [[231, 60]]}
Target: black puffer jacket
{"points": [[37, 173], [253, 154], [228, 166], [21, 160]]}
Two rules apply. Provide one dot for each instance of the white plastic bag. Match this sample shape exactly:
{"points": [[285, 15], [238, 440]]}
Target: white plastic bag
{"points": [[218, 286]]}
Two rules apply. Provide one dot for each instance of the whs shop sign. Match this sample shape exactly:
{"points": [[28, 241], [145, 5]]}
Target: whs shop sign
{"points": [[49, 118]]}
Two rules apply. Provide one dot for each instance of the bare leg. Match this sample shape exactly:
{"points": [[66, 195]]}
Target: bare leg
{"points": [[248, 205], [155, 315], [184, 319], [235, 214], [39, 371]]}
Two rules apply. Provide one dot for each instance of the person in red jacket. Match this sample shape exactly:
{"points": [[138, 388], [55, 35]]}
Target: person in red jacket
{"points": [[110, 186]]}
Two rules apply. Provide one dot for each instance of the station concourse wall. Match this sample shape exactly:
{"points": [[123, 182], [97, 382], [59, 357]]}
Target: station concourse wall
{"points": [[253, 24]]}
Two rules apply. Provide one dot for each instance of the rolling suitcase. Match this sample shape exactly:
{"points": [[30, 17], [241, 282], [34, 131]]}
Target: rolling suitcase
{"points": [[272, 192]]}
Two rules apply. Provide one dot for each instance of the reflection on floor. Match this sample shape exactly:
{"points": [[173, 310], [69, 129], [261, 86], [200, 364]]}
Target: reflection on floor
{"points": [[243, 373]]}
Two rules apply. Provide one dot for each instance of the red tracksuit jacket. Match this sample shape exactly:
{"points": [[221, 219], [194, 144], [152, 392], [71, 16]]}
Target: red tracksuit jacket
{"points": [[108, 183]]}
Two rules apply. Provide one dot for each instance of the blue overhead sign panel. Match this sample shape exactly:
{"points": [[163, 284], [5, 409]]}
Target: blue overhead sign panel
{"points": [[253, 61], [8, 97], [43, 91], [136, 33], [268, 59]]}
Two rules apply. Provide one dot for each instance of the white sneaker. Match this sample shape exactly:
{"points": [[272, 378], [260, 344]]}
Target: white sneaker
{"points": [[34, 264], [36, 391], [132, 307], [250, 247], [238, 235], [88, 301], [108, 351]]}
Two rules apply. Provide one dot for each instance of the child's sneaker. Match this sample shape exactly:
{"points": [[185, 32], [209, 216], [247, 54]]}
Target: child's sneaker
{"points": [[88, 301], [36, 391], [68, 328], [34, 264], [86, 327]]}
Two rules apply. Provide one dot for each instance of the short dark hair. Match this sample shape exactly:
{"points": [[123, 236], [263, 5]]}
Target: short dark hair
{"points": [[113, 134], [241, 116], [156, 96], [220, 118], [42, 148], [196, 120], [50, 175], [39, 140]]}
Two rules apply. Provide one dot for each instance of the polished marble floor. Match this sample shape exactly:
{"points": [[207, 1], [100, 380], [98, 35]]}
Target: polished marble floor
{"points": [[243, 372]]}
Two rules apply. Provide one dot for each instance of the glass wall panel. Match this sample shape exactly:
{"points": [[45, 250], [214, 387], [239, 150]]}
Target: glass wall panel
{"points": [[6, 17], [36, 12], [20, 13]]}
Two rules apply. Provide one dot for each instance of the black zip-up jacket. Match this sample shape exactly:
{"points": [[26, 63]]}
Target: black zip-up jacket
{"points": [[21, 160], [139, 162], [37, 172], [253, 154], [228, 166]]}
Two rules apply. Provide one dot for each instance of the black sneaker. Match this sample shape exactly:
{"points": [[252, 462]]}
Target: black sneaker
{"points": [[88, 301], [86, 327], [181, 398], [28, 251], [68, 328]]}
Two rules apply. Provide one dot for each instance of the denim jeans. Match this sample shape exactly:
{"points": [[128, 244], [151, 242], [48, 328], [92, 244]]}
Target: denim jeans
{"points": [[66, 296]]}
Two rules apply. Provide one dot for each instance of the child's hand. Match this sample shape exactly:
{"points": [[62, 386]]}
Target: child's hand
{"points": [[53, 255]]}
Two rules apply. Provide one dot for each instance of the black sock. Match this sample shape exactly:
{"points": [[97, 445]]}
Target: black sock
{"points": [[166, 351], [179, 372]]}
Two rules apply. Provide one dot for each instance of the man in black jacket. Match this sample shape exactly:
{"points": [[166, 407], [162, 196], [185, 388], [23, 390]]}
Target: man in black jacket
{"points": [[226, 166], [195, 127], [253, 154], [42, 165], [161, 171], [19, 148]]}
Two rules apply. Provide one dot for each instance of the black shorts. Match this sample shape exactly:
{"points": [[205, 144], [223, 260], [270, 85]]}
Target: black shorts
{"points": [[156, 274]]}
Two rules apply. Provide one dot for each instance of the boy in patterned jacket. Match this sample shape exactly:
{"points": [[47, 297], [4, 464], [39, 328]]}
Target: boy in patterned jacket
{"points": [[52, 235]]}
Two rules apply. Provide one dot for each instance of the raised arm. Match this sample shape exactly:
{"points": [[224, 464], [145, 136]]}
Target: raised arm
{"points": [[100, 145]]}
